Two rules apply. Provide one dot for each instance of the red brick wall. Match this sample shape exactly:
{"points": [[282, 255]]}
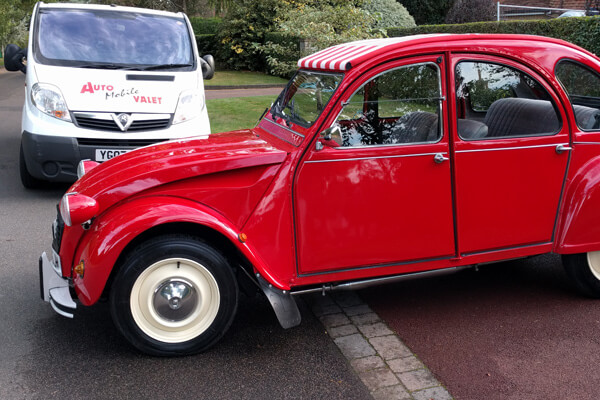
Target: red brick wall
{"points": [[571, 4]]}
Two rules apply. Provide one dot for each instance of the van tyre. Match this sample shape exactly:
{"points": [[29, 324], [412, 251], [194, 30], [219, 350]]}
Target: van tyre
{"points": [[584, 271], [174, 295], [28, 180]]}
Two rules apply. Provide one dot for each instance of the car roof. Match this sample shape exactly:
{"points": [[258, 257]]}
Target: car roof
{"points": [[345, 56]]}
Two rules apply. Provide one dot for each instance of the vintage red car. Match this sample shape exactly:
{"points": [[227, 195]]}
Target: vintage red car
{"points": [[381, 160]]}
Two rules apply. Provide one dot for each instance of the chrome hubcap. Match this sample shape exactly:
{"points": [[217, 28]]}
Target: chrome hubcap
{"points": [[175, 299]]}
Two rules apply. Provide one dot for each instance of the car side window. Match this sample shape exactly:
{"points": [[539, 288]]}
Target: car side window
{"points": [[400, 106], [583, 87], [498, 101]]}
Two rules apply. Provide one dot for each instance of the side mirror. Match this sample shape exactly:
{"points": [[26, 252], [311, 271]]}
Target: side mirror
{"points": [[207, 63], [13, 58], [332, 137]]}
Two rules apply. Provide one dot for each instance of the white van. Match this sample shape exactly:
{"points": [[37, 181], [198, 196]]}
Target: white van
{"points": [[103, 80]]}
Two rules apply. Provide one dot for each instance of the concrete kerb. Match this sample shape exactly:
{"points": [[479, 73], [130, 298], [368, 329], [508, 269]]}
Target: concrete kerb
{"points": [[383, 362]]}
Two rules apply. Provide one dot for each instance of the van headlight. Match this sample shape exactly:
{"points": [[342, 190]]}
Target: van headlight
{"points": [[49, 100], [189, 106]]}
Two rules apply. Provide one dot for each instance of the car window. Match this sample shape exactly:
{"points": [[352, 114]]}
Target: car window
{"points": [[498, 101], [583, 87], [399, 106]]}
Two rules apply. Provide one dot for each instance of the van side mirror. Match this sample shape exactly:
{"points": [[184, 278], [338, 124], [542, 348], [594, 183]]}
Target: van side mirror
{"points": [[13, 58], [207, 63]]}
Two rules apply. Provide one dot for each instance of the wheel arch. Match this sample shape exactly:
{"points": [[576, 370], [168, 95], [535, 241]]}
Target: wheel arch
{"points": [[119, 230]]}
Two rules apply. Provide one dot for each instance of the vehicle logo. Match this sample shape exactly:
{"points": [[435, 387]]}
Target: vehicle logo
{"points": [[123, 121]]}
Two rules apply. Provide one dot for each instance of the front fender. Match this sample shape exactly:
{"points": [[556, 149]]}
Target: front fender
{"points": [[112, 231], [579, 225]]}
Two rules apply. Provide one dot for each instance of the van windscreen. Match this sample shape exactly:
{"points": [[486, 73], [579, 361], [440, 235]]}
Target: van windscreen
{"points": [[111, 39]]}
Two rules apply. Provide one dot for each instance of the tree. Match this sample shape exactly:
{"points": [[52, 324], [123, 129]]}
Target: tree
{"points": [[14, 20], [428, 12], [463, 11], [389, 13]]}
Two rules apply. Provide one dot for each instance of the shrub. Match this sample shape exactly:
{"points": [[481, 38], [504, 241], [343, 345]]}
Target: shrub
{"points": [[389, 13], [205, 26], [584, 32], [427, 12], [463, 11]]}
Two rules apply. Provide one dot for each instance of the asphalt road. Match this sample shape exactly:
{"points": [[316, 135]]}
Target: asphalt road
{"points": [[512, 331], [45, 356]]}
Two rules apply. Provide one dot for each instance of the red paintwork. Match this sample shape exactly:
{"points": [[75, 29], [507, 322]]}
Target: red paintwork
{"points": [[81, 208], [314, 216]]}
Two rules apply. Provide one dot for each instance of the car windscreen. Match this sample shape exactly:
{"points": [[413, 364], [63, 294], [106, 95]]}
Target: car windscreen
{"points": [[305, 97], [112, 39]]}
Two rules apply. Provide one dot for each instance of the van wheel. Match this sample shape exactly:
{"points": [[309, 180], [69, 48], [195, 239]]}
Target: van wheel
{"points": [[174, 295], [584, 271], [29, 181]]}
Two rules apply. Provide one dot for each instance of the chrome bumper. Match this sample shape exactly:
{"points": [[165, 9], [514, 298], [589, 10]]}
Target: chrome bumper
{"points": [[55, 289]]}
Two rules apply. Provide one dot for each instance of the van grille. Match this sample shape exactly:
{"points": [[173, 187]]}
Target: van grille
{"points": [[118, 142], [105, 121]]}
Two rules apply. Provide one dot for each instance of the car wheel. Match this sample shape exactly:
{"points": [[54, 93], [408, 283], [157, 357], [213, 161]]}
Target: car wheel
{"points": [[584, 271], [174, 295], [28, 180]]}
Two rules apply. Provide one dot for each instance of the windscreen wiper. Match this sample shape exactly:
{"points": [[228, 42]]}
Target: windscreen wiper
{"points": [[106, 66], [165, 66]]}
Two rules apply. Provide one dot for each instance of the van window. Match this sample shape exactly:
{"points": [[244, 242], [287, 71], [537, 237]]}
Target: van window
{"points": [[111, 39]]}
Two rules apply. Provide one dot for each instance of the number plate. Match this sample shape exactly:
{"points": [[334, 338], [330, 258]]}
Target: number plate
{"points": [[107, 154]]}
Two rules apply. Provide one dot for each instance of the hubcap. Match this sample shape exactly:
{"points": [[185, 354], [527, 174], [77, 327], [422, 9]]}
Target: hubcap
{"points": [[175, 299], [593, 258]]}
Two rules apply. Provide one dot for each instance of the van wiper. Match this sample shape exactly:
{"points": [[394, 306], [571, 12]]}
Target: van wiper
{"points": [[106, 66], [165, 66]]}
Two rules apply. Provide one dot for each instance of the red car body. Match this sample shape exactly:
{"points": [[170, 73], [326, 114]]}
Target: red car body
{"points": [[304, 210]]}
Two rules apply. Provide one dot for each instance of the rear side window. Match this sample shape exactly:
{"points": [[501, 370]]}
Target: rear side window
{"points": [[498, 101], [583, 87]]}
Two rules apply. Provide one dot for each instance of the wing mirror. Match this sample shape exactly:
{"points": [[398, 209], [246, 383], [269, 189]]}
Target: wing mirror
{"points": [[207, 64], [332, 137], [14, 57]]}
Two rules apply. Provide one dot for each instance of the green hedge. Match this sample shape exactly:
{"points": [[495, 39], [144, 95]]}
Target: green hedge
{"points": [[583, 31], [205, 26], [207, 44]]}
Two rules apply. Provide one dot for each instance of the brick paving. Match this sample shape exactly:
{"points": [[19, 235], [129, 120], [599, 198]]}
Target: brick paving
{"points": [[384, 364]]}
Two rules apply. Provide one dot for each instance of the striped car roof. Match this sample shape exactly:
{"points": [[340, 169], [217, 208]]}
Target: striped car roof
{"points": [[343, 56]]}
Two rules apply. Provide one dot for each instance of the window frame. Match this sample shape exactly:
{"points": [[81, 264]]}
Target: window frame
{"points": [[441, 100], [530, 72]]}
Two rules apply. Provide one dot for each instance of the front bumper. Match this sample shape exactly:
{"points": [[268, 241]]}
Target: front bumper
{"points": [[55, 289]]}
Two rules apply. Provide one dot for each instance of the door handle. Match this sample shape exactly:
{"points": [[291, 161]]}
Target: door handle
{"points": [[561, 148], [439, 158]]}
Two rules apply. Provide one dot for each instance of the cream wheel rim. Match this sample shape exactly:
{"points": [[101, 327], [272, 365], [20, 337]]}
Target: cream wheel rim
{"points": [[174, 300], [593, 258]]}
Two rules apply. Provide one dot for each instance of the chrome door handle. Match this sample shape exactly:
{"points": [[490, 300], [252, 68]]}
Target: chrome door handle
{"points": [[561, 148], [439, 158]]}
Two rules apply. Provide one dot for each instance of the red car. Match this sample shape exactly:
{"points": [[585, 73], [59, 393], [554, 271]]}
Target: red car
{"points": [[381, 160]]}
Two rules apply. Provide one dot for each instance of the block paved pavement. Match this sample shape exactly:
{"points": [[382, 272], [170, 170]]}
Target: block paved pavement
{"points": [[385, 365]]}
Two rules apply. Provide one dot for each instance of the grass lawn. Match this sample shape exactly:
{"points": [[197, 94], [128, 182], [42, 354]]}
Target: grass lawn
{"points": [[235, 78], [236, 112]]}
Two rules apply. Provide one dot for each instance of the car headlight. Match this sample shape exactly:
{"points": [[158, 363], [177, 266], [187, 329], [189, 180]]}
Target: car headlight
{"points": [[189, 106], [77, 208]]}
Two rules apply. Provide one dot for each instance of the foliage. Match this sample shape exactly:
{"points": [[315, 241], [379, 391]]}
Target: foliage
{"points": [[320, 25], [427, 12], [205, 26], [244, 26], [463, 11], [389, 13], [244, 78], [14, 21], [584, 31]]}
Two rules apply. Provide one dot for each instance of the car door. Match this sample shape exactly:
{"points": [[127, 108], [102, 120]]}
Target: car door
{"points": [[380, 193], [511, 152]]}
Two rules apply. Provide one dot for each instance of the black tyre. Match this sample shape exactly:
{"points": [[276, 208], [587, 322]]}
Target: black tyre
{"points": [[584, 271], [174, 295], [29, 181]]}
